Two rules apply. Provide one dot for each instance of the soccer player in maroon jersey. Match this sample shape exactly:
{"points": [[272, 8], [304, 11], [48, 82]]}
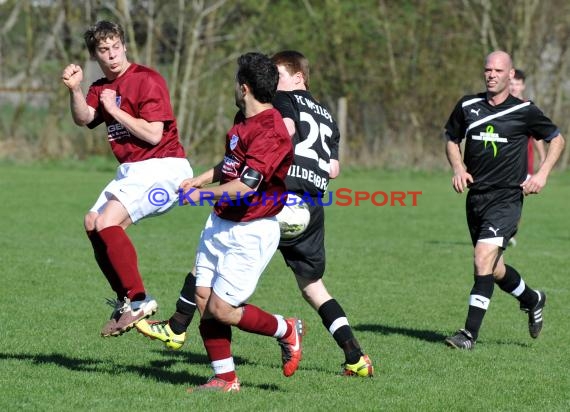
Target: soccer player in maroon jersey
{"points": [[495, 126], [242, 233], [134, 104], [304, 118]]}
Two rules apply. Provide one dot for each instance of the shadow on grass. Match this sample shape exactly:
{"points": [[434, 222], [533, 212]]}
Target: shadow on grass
{"points": [[505, 342], [156, 369], [430, 336], [448, 242], [427, 335]]}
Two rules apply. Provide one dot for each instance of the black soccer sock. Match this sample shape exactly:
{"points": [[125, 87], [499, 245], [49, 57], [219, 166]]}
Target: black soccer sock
{"points": [[334, 319], [185, 306], [479, 300], [513, 283]]}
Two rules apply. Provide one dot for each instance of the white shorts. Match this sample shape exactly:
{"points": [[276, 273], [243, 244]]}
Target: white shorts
{"points": [[147, 188], [232, 255]]}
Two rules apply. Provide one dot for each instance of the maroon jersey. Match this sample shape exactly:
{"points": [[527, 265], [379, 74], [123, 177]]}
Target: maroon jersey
{"points": [[261, 143], [141, 92]]}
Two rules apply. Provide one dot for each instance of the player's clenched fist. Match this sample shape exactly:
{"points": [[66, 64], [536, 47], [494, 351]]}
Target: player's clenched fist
{"points": [[72, 76], [108, 100]]}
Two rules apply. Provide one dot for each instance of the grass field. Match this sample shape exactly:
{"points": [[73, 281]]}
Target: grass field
{"points": [[403, 275]]}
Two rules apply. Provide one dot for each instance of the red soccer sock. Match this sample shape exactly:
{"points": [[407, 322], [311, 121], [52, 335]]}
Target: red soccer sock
{"points": [[256, 320], [100, 251], [123, 257], [217, 339]]}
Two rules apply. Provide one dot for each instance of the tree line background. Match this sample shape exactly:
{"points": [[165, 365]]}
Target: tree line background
{"points": [[392, 70]]}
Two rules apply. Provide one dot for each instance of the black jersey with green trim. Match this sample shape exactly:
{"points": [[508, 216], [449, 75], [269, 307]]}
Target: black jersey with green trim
{"points": [[496, 138], [315, 142]]}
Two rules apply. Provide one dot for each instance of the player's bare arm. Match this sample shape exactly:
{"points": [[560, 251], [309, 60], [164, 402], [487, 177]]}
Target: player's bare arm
{"points": [[82, 113], [232, 189], [540, 150], [537, 181], [194, 183], [290, 125], [334, 169], [209, 176], [150, 132], [461, 179]]}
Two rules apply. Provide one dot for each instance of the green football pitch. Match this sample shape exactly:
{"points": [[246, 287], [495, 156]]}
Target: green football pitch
{"points": [[402, 273]]}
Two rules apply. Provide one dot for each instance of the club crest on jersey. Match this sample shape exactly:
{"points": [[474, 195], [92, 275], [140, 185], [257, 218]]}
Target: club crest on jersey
{"points": [[118, 101], [230, 166], [233, 142]]}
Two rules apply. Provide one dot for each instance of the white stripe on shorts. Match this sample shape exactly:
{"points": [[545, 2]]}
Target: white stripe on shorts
{"points": [[497, 241]]}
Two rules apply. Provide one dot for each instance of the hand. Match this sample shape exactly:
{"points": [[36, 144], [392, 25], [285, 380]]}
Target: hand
{"points": [[190, 183], [533, 184], [461, 180], [191, 195], [72, 76], [108, 99], [188, 190]]}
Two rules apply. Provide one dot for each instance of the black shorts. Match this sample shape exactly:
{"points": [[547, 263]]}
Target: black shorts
{"points": [[305, 254], [493, 216]]}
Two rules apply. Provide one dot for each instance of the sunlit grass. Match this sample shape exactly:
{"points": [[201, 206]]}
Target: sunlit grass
{"points": [[401, 273]]}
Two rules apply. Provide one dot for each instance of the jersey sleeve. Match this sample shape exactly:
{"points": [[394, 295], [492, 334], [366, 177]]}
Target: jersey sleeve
{"points": [[540, 126], [284, 104], [455, 126]]}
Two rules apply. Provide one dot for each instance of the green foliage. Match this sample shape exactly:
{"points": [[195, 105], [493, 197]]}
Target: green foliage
{"points": [[401, 273], [401, 65]]}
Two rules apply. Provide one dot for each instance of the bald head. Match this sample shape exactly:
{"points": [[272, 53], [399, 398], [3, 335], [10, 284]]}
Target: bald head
{"points": [[500, 56], [498, 73]]}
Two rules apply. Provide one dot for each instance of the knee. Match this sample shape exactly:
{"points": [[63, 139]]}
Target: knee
{"points": [[201, 303], [484, 263], [314, 292], [500, 270], [223, 312], [89, 221], [481, 267], [100, 222], [306, 287]]}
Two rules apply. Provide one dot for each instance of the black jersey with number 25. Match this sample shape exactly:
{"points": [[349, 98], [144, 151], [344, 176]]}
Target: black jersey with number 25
{"points": [[496, 138], [315, 142]]}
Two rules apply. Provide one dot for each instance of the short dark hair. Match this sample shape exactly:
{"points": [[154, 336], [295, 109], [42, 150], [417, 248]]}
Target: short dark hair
{"points": [[294, 62], [102, 30], [260, 74], [519, 75]]}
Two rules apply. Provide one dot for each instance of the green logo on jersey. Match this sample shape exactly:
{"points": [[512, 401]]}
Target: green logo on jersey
{"points": [[489, 136], [490, 131]]}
